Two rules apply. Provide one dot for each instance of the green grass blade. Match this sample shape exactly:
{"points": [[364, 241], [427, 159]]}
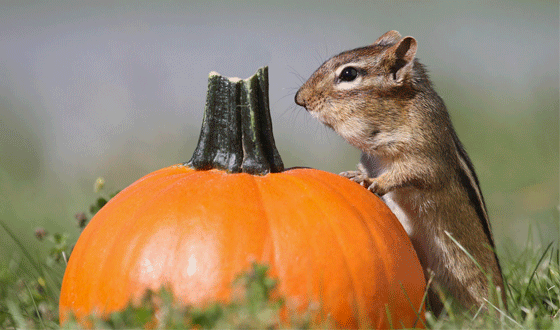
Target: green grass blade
{"points": [[502, 313], [54, 284], [34, 304], [466, 252], [18, 318], [33, 262], [534, 272], [417, 313]]}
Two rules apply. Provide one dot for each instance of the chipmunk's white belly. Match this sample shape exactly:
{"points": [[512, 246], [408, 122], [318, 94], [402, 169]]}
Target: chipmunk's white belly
{"points": [[406, 214], [416, 213]]}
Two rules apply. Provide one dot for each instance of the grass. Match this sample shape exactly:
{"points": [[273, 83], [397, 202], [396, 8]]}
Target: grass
{"points": [[30, 286]]}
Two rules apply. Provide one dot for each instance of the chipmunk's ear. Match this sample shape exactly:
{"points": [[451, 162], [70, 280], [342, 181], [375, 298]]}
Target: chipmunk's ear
{"points": [[388, 38], [401, 57]]}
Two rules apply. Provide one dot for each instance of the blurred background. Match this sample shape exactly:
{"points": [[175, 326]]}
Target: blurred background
{"points": [[118, 90]]}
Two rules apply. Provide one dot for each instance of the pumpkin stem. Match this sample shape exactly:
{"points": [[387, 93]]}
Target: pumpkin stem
{"points": [[236, 134]]}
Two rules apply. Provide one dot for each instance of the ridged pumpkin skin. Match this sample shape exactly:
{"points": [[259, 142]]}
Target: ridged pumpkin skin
{"points": [[325, 238], [193, 228]]}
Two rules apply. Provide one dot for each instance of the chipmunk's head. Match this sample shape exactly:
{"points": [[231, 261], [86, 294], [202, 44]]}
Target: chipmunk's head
{"points": [[362, 93]]}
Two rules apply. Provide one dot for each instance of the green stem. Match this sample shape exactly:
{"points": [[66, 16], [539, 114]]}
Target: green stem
{"points": [[236, 134]]}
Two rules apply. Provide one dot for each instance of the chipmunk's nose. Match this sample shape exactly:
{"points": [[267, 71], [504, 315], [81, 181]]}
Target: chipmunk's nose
{"points": [[300, 100]]}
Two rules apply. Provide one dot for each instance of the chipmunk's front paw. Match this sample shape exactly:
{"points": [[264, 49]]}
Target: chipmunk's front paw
{"points": [[376, 187], [359, 177], [356, 176]]}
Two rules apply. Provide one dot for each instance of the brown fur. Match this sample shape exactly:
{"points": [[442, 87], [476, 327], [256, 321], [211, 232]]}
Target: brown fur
{"points": [[413, 159]]}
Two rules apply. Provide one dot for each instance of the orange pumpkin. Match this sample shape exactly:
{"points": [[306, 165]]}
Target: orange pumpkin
{"points": [[327, 240]]}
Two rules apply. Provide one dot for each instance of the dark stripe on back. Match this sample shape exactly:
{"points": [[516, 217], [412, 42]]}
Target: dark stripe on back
{"points": [[473, 196]]}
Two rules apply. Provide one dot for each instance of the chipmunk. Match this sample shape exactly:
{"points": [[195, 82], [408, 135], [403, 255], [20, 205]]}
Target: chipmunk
{"points": [[380, 99]]}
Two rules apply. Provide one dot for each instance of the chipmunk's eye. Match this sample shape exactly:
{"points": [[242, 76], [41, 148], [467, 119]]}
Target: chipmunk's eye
{"points": [[348, 74]]}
